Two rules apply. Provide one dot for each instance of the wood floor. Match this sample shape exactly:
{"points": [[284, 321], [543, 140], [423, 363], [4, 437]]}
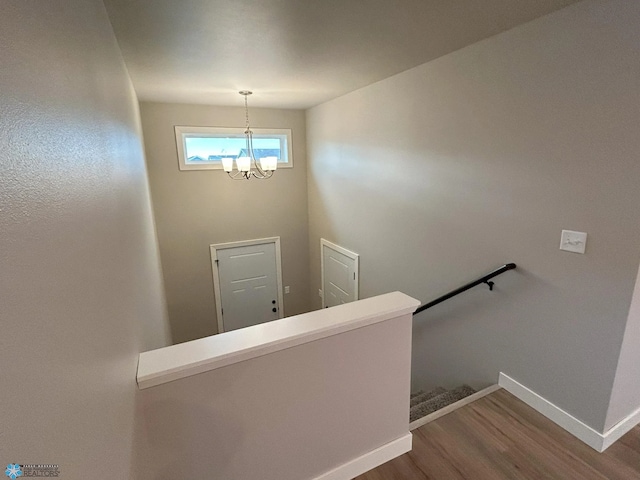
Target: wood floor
{"points": [[500, 437]]}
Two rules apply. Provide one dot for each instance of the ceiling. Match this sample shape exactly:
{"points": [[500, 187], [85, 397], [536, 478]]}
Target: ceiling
{"points": [[295, 53]]}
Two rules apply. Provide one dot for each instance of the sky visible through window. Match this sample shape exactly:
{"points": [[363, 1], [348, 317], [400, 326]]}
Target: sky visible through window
{"points": [[203, 147]]}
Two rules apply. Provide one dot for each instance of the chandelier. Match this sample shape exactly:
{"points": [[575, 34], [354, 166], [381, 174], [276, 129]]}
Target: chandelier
{"points": [[247, 166]]}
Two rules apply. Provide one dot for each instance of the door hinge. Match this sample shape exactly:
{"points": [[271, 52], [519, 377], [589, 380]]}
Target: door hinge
{"points": [[354, 275], [222, 311]]}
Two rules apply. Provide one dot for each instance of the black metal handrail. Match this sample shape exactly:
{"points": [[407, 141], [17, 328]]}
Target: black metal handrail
{"points": [[457, 291]]}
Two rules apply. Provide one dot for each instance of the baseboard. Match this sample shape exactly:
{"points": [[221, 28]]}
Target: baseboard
{"points": [[370, 460], [563, 419], [452, 407], [620, 428]]}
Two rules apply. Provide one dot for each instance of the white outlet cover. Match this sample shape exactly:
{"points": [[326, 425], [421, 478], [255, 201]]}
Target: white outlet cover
{"points": [[573, 241], [287, 289]]}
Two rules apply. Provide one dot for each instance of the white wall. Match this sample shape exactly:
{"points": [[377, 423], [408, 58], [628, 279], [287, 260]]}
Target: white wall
{"points": [[444, 172], [625, 397], [80, 284], [292, 414], [197, 208]]}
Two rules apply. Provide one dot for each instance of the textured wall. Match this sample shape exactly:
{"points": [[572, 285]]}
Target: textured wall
{"points": [[194, 209], [80, 283], [446, 171]]}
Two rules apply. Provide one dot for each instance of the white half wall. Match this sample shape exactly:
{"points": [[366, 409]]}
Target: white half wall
{"points": [[323, 395]]}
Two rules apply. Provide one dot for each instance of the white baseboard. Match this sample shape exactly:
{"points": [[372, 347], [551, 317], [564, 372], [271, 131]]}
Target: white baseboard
{"points": [[619, 429], [588, 435], [571, 424], [452, 407], [370, 460]]}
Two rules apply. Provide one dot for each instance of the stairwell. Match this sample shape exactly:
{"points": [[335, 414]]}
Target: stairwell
{"points": [[426, 404]]}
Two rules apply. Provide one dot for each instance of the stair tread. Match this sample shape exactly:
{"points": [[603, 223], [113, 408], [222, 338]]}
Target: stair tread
{"points": [[439, 401], [426, 396], [415, 394]]}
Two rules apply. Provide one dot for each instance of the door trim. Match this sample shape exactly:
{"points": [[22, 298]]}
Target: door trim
{"points": [[347, 253], [213, 248]]}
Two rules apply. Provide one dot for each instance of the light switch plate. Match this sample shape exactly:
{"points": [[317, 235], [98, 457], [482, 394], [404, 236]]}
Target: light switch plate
{"points": [[573, 241], [287, 289]]}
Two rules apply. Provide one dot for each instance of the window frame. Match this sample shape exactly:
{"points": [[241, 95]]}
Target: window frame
{"points": [[183, 132]]}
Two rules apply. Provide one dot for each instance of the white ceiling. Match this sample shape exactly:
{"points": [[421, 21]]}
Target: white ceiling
{"points": [[295, 53]]}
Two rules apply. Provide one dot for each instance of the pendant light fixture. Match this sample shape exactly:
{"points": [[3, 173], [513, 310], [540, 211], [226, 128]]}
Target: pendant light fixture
{"points": [[247, 166]]}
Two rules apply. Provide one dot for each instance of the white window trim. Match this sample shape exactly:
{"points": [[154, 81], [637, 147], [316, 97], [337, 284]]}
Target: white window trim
{"points": [[182, 131]]}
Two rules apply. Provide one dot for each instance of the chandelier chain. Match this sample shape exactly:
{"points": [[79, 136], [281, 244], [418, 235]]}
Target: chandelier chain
{"points": [[246, 111]]}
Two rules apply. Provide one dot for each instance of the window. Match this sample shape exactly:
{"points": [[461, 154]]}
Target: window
{"points": [[203, 148]]}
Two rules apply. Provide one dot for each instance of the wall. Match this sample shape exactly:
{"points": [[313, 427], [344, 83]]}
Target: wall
{"points": [[446, 171], [625, 397], [80, 283], [194, 209], [291, 414]]}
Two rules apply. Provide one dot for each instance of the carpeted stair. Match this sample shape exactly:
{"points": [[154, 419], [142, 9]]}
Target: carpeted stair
{"points": [[423, 397], [424, 403]]}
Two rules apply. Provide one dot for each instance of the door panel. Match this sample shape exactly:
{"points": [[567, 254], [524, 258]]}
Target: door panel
{"points": [[340, 276], [248, 285]]}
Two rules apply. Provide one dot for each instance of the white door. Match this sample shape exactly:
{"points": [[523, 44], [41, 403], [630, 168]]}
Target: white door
{"points": [[248, 284], [339, 274]]}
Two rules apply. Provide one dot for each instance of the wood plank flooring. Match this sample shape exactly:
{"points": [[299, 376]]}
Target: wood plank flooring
{"points": [[499, 437]]}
